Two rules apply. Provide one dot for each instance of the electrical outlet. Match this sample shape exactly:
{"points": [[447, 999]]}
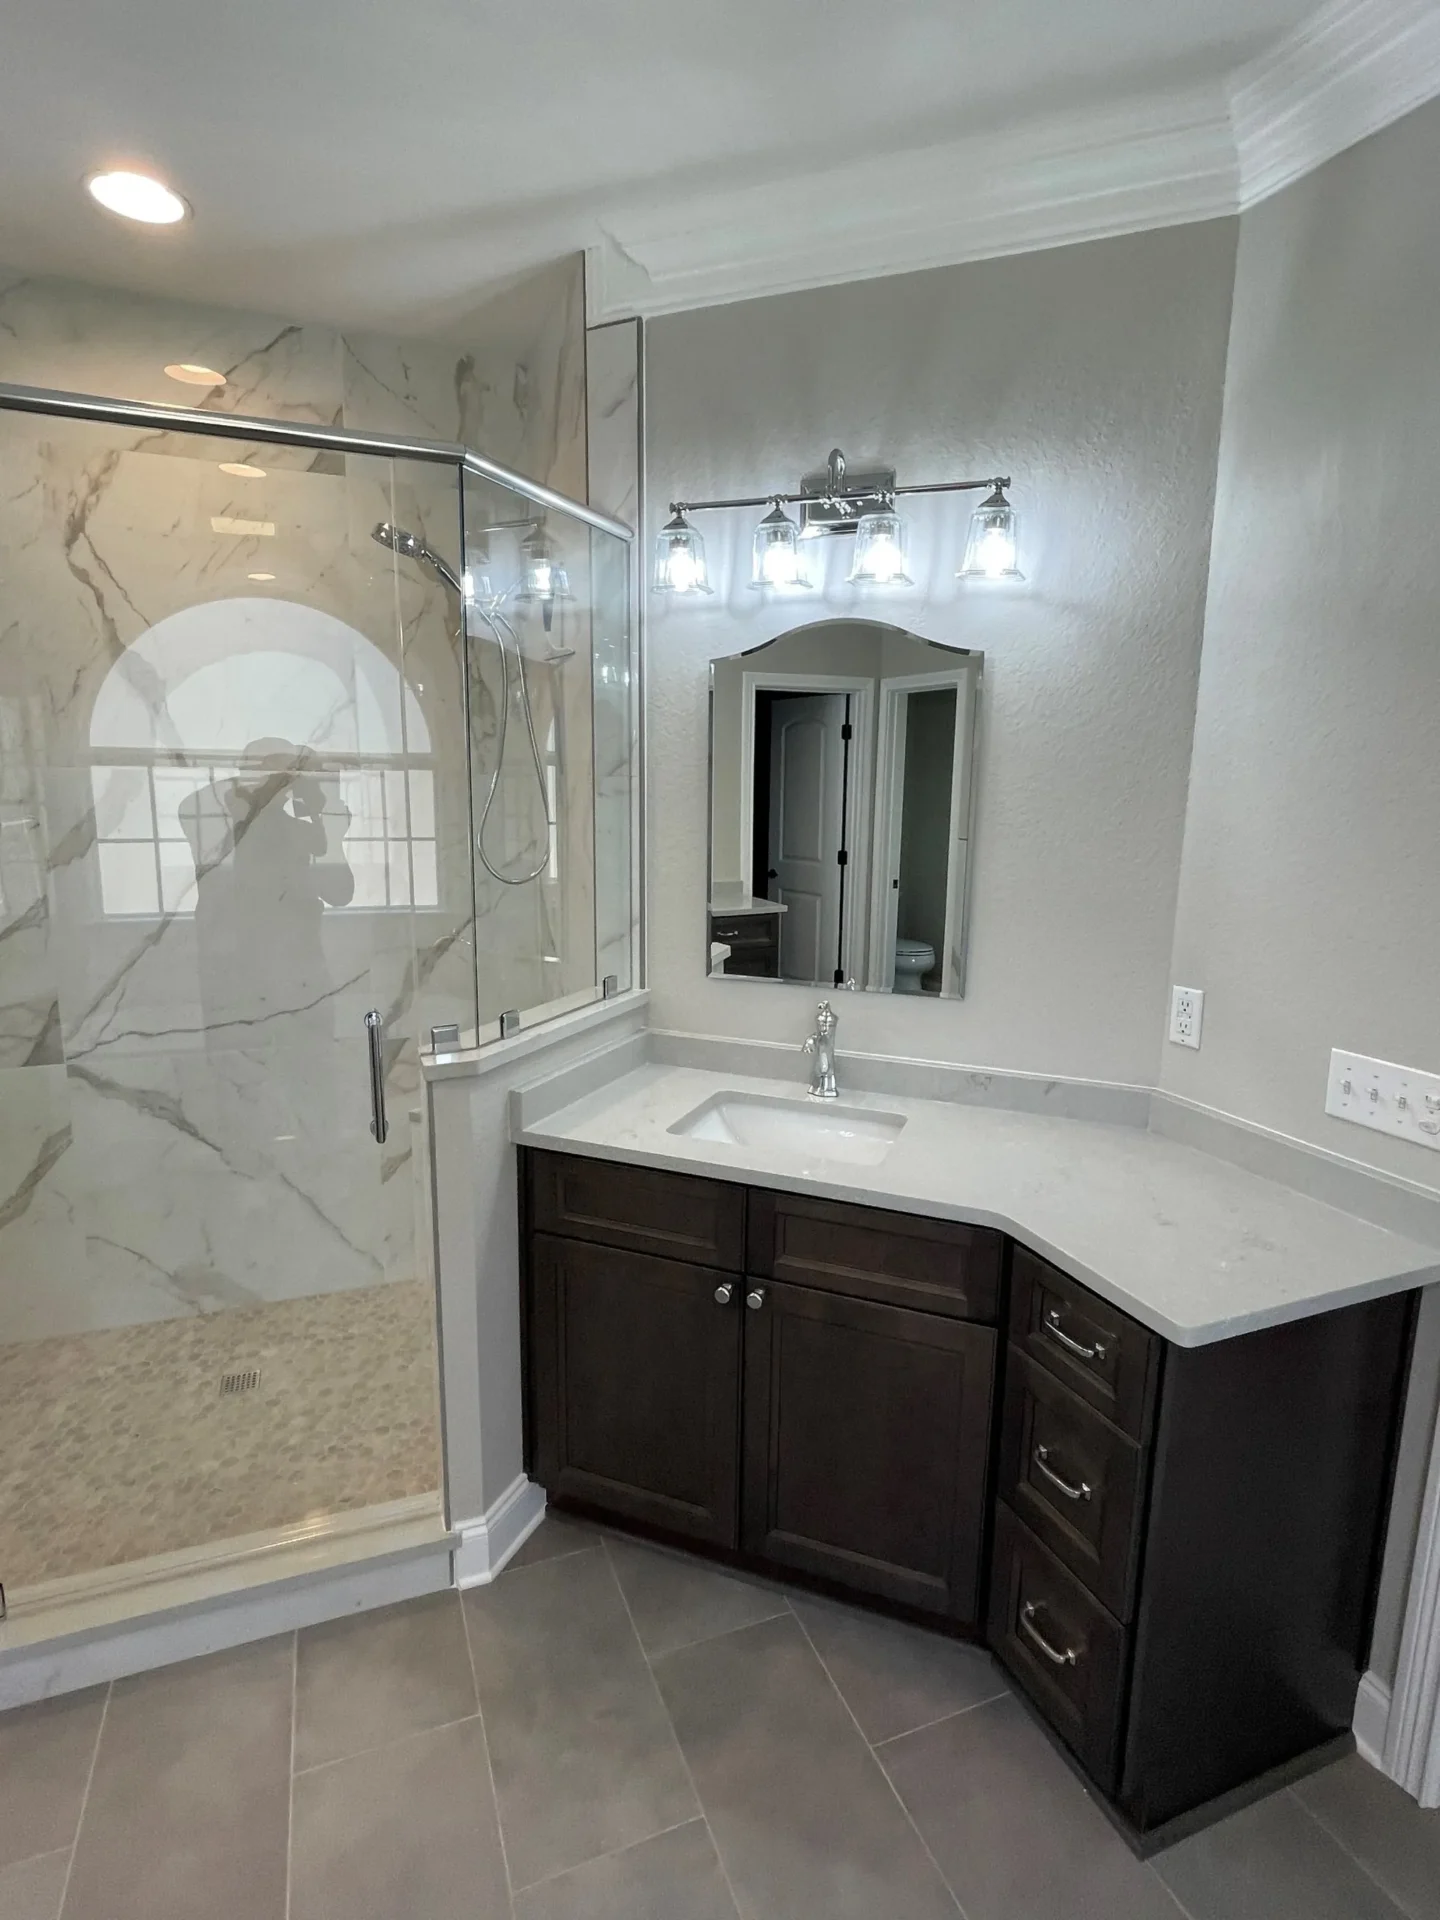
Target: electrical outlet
{"points": [[1384, 1097], [1187, 1009]]}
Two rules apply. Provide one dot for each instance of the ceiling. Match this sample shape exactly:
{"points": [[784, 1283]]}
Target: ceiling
{"points": [[387, 165]]}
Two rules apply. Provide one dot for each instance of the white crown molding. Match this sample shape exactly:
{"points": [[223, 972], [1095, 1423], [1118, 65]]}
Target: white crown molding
{"points": [[1351, 69]]}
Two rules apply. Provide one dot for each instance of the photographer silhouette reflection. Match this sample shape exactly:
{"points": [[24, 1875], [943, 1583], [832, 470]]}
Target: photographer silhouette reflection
{"points": [[268, 849]]}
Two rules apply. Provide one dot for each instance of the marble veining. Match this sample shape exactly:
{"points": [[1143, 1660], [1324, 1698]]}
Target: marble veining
{"points": [[1192, 1246]]}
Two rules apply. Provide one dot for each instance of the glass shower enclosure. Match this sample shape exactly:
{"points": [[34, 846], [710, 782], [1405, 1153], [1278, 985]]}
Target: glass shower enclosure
{"points": [[309, 742]]}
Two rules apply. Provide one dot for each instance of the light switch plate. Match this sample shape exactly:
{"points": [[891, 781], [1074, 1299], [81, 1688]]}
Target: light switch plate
{"points": [[1384, 1097], [1187, 1010]]}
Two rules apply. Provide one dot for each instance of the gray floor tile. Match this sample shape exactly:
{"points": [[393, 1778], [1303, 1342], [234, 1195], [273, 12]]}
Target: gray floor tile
{"points": [[675, 1600], [1270, 1862], [407, 1829], [801, 1812], [45, 1755], [373, 1677], [554, 1536], [31, 1889], [1388, 1833], [676, 1876], [189, 1806], [897, 1678], [585, 1760], [1015, 1833]]}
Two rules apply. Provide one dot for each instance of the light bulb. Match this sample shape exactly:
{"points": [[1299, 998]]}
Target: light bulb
{"points": [[679, 558], [776, 554], [990, 549], [135, 196], [880, 551]]}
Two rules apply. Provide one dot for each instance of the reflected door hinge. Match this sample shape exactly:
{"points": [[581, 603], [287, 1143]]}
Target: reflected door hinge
{"points": [[842, 859], [847, 732]]}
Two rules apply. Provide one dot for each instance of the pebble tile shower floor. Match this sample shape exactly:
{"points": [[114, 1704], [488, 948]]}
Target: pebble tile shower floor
{"points": [[612, 1733], [121, 1444]]}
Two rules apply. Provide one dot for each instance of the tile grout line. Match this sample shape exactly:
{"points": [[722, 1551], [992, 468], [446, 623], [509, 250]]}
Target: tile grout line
{"points": [[1331, 1834], [610, 1853], [382, 1746], [708, 1639], [665, 1714], [485, 1742], [881, 1767], [85, 1798], [290, 1783], [938, 1721]]}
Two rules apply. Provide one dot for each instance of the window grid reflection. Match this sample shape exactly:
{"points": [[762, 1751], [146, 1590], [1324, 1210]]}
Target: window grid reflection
{"points": [[147, 866]]}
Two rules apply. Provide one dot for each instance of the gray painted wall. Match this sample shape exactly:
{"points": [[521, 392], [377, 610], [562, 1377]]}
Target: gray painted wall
{"points": [[1309, 905], [1095, 375]]}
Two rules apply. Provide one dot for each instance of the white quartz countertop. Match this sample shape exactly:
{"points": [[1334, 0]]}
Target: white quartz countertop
{"points": [[1195, 1248], [747, 903]]}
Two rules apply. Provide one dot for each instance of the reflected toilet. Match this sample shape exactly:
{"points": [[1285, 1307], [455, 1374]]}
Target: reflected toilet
{"points": [[913, 960]]}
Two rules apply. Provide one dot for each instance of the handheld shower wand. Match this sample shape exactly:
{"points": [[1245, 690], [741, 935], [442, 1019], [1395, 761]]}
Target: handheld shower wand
{"points": [[397, 540]]}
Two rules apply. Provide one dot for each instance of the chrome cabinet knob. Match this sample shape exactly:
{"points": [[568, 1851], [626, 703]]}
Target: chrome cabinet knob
{"points": [[755, 1299], [724, 1294]]}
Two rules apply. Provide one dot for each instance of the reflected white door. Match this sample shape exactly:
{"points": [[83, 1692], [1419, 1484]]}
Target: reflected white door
{"points": [[807, 831]]}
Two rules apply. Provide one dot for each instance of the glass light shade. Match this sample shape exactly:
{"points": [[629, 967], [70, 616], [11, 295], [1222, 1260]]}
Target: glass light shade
{"points": [[542, 577], [880, 541], [776, 554], [680, 559], [990, 550]]}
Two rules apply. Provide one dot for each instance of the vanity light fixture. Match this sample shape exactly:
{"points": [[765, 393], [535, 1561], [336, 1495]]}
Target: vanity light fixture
{"points": [[838, 501], [136, 196], [776, 553], [990, 550], [543, 577], [680, 558]]}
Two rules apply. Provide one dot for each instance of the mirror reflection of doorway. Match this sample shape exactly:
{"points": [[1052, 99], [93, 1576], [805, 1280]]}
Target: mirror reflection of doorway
{"points": [[802, 748]]}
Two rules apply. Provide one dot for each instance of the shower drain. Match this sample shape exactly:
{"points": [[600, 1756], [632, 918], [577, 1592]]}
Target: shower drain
{"points": [[245, 1382]]}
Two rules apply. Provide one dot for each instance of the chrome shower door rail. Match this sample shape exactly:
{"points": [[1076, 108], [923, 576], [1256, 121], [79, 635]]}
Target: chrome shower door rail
{"points": [[291, 433]]}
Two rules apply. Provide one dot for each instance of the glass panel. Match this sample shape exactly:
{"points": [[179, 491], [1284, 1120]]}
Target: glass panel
{"points": [[552, 754], [216, 744]]}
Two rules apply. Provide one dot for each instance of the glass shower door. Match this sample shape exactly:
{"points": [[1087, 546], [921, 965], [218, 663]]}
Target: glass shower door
{"points": [[234, 822]]}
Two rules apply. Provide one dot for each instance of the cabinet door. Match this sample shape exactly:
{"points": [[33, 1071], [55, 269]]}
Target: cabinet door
{"points": [[866, 1434], [635, 1385]]}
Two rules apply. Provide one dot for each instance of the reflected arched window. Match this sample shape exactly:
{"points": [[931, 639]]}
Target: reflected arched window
{"points": [[218, 693]]}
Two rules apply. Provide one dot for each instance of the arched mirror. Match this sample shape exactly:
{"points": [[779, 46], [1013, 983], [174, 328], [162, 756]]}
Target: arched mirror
{"points": [[842, 759]]}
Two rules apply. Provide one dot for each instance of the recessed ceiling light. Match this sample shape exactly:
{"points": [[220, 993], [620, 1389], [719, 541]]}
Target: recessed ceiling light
{"points": [[193, 375], [135, 196], [259, 576], [242, 469]]}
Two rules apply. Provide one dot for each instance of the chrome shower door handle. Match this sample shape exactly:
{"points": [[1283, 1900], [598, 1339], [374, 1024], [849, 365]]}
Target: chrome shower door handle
{"points": [[375, 1040]]}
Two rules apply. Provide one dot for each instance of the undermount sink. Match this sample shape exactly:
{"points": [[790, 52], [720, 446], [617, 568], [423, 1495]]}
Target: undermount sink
{"points": [[825, 1129]]}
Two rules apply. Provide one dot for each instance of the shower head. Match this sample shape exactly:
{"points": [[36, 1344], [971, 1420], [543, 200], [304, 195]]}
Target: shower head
{"points": [[406, 544]]}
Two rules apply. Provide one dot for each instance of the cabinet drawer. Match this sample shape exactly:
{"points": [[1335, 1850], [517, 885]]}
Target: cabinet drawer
{"points": [[1103, 1355], [901, 1259], [1075, 1480], [676, 1214], [753, 932], [1068, 1654]]}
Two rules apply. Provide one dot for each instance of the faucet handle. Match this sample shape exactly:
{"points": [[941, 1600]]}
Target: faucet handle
{"points": [[826, 1018], [808, 1046]]}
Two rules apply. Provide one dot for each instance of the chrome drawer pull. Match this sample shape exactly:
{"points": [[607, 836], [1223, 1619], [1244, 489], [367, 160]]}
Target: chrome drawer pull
{"points": [[1058, 1657], [1041, 1457], [724, 1294], [755, 1299], [1052, 1325]]}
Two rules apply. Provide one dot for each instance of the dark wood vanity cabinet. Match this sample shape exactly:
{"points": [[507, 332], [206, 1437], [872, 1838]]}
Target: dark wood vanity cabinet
{"points": [[768, 1376], [1173, 1551]]}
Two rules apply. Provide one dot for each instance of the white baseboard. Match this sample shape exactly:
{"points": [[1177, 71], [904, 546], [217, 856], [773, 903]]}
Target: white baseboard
{"points": [[487, 1543], [1372, 1719]]}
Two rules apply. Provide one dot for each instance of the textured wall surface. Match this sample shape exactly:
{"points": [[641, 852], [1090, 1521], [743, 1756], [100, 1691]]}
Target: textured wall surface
{"points": [[1092, 373], [1309, 905]]}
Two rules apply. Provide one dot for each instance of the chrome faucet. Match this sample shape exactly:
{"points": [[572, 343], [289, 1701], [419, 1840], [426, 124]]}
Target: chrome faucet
{"points": [[822, 1045]]}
